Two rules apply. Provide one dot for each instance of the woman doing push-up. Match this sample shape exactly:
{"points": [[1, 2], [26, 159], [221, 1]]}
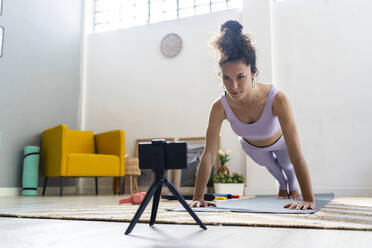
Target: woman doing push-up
{"points": [[260, 115]]}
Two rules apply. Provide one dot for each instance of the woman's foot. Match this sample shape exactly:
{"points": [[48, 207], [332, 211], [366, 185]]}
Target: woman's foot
{"points": [[283, 194], [294, 194]]}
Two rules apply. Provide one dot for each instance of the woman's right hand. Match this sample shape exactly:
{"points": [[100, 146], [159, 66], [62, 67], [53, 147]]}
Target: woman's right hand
{"points": [[201, 203]]}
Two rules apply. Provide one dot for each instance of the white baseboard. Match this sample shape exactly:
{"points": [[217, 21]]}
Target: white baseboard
{"points": [[75, 190], [54, 191], [15, 191], [92, 191], [86, 186], [107, 190], [11, 191]]}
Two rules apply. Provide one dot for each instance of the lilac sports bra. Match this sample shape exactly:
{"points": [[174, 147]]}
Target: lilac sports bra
{"points": [[265, 127]]}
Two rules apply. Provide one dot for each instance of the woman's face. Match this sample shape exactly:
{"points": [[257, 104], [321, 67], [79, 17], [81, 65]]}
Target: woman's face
{"points": [[237, 78]]}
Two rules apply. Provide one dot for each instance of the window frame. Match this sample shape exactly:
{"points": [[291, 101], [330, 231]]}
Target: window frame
{"points": [[150, 17]]}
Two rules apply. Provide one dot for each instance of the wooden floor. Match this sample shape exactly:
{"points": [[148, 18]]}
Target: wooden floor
{"points": [[20, 232]]}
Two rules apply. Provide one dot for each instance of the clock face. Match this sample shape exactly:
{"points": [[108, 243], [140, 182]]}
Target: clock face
{"points": [[171, 45]]}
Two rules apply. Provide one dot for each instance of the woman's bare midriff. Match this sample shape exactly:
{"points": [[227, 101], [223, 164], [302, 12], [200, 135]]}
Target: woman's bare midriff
{"points": [[265, 142]]}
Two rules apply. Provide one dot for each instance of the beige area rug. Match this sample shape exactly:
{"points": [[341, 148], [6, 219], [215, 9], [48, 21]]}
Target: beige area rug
{"points": [[347, 213]]}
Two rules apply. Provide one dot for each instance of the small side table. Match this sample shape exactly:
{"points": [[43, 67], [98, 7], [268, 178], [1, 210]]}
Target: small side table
{"points": [[132, 171]]}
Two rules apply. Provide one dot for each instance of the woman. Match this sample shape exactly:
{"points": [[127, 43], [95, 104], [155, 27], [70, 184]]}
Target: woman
{"points": [[260, 114]]}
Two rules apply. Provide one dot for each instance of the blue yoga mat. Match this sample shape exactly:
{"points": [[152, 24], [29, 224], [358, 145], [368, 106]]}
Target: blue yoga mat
{"points": [[262, 204]]}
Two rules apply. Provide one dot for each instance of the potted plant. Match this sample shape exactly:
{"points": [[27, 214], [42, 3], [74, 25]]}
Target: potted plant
{"points": [[225, 184], [224, 158]]}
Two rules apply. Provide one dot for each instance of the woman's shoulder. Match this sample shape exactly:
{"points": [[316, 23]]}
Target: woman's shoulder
{"points": [[266, 91], [217, 109], [217, 105], [278, 94], [280, 101]]}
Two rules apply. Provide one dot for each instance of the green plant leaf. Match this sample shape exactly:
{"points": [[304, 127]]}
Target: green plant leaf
{"points": [[223, 178]]}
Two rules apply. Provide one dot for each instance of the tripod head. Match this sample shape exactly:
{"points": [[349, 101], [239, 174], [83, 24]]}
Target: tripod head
{"points": [[161, 155]]}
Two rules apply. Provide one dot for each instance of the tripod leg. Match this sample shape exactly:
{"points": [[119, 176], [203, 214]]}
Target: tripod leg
{"points": [[184, 203], [143, 205], [155, 205]]}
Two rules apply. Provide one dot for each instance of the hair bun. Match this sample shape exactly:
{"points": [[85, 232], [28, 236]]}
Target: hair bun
{"points": [[233, 26]]}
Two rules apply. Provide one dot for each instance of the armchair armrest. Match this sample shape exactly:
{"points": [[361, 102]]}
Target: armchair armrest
{"points": [[112, 142], [53, 151]]}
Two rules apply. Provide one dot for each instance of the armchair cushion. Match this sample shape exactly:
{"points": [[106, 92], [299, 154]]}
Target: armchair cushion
{"points": [[85, 165]]}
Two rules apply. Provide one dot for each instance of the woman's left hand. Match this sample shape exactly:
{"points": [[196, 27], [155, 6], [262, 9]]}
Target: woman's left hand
{"points": [[302, 205]]}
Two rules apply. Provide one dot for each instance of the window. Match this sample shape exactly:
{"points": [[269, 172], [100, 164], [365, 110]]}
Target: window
{"points": [[118, 14]]}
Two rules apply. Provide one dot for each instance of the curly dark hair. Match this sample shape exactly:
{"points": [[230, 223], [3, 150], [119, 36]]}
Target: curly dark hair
{"points": [[231, 45]]}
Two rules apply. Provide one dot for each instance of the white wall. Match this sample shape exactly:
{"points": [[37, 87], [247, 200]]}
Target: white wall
{"points": [[132, 86], [322, 61], [317, 52], [257, 18], [39, 77]]}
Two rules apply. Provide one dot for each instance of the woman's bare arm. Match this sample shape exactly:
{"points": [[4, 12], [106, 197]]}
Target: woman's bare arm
{"points": [[282, 109], [216, 117]]}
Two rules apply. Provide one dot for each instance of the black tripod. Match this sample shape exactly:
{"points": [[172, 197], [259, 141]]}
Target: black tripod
{"points": [[155, 191]]}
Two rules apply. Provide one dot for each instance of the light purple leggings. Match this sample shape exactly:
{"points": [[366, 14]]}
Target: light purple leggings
{"points": [[275, 158]]}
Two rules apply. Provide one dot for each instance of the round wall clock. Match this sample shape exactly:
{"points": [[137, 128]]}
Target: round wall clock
{"points": [[171, 45]]}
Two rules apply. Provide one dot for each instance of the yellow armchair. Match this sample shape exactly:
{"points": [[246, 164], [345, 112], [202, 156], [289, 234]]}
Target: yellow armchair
{"points": [[75, 153]]}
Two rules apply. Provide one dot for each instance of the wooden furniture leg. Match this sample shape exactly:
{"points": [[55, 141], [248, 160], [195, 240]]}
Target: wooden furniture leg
{"points": [[123, 185], [136, 183], [131, 183]]}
